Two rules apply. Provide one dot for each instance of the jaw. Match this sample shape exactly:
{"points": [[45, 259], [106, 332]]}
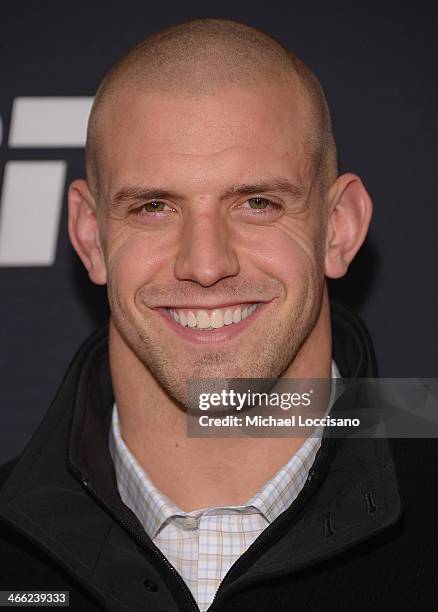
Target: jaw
{"points": [[163, 355]]}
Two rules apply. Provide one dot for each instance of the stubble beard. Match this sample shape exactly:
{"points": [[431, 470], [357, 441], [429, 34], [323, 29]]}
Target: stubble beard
{"points": [[268, 356]]}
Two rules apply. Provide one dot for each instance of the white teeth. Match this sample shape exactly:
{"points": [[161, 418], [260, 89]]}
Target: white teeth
{"points": [[228, 317], [237, 315], [202, 319], [191, 319], [217, 319]]}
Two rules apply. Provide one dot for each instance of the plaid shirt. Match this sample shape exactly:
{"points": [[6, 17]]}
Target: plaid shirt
{"points": [[203, 544]]}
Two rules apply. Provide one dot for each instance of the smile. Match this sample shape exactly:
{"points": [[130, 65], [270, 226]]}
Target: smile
{"points": [[205, 319]]}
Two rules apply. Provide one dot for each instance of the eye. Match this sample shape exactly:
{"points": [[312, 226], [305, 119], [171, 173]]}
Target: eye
{"points": [[152, 213], [154, 208], [260, 205]]}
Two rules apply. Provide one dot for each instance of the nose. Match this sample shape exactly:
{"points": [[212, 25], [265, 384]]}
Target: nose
{"points": [[206, 254]]}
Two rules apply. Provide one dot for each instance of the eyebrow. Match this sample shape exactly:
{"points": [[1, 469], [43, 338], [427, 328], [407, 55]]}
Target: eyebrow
{"points": [[279, 185], [140, 193]]}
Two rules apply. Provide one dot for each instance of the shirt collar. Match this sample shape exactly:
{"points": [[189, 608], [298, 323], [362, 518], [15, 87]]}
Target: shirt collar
{"points": [[136, 489], [283, 488], [154, 509]]}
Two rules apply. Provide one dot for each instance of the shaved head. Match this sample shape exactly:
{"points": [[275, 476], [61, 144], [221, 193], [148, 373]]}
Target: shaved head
{"points": [[203, 56], [212, 188]]}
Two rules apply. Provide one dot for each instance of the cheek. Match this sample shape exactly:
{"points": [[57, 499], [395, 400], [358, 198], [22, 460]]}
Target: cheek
{"points": [[133, 262], [289, 256]]}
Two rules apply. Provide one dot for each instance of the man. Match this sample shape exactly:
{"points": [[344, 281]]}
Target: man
{"points": [[213, 211]]}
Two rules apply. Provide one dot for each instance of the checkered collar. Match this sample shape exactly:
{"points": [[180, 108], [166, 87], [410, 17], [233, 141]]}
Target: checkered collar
{"points": [[154, 509]]}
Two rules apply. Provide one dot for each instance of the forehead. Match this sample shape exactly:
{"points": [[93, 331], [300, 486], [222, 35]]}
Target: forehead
{"points": [[237, 130]]}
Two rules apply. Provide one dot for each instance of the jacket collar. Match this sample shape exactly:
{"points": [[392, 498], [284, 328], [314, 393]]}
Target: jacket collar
{"points": [[68, 506]]}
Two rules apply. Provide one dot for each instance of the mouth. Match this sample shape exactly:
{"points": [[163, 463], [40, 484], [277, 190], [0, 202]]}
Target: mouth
{"points": [[215, 318], [211, 325]]}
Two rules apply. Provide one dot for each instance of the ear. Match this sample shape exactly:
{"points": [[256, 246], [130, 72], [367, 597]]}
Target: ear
{"points": [[84, 232], [350, 210]]}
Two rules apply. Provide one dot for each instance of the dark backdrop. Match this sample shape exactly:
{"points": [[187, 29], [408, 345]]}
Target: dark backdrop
{"points": [[378, 65]]}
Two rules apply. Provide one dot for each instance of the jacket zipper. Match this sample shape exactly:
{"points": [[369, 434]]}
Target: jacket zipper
{"points": [[290, 516], [148, 544]]}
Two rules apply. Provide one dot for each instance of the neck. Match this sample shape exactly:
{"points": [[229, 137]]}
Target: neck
{"points": [[203, 472]]}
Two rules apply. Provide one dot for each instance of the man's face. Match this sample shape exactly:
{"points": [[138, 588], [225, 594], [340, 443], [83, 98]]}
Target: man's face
{"points": [[212, 229]]}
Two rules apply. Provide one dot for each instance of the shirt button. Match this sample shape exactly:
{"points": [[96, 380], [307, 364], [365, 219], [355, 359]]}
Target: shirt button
{"points": [[150, 585], [190, 522]]}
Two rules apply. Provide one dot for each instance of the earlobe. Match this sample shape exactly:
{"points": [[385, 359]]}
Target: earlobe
{"points": [[350, 210], [84, 232]]}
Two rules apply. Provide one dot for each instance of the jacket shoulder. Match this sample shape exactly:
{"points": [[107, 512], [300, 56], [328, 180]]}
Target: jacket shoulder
{"points": [[6, 469]]}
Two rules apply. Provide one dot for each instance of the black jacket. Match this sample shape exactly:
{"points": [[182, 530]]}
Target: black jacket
{"points": [[343, 545]]}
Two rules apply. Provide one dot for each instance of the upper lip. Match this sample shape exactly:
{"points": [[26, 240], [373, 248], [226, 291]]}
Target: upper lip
{"points": [[210, 306]]}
